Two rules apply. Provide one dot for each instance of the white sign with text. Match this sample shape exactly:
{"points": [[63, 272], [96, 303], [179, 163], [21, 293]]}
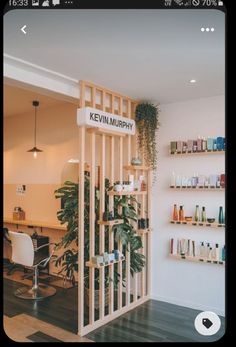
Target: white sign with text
{"points": [[93, 117]]}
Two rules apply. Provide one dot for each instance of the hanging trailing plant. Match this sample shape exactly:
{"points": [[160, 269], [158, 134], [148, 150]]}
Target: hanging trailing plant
{"points": [[146, 117]]}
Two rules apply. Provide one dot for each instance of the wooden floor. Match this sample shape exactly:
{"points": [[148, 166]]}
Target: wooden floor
{"points": [[55, 319]]}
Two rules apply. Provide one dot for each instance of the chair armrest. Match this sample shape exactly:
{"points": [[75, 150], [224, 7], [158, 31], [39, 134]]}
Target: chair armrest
{"points": [[46, 244]]}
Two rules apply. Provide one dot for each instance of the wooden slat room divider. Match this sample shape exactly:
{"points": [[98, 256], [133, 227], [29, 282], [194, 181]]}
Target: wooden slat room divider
{"points": [[111, 152]]}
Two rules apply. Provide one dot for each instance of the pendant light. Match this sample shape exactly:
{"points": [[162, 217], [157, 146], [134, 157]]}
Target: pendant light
{"points": [[35, 150]]}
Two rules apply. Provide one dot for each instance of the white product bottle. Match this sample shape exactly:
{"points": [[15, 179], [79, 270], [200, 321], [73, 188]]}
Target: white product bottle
{"points": [[178, 181], [208, 250], [172, 181], [218, 182], [210, 254], [202, 250], [183, 181], [189, 182], [217, 252]]}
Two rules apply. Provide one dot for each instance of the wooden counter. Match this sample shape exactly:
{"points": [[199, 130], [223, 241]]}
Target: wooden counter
{"points": [[33, 223]]}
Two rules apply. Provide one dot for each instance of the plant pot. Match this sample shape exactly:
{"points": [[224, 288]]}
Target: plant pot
{"points": [[96, 297]]}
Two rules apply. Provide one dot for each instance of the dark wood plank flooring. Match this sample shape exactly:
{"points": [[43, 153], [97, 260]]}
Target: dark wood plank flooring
{"points": [[153, 321], [41, 337]]}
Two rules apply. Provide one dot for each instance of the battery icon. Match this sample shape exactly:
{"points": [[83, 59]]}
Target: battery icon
{"points": [[220, 3]]}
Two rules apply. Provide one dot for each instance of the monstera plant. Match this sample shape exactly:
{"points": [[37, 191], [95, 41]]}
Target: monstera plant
{"points": [[125, 232]]}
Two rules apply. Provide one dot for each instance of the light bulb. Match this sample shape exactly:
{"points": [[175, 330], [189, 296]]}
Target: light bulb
{"points": [[35, 155]]}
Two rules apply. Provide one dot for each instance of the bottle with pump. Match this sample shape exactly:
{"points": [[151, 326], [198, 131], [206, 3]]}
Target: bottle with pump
{"points": [[203, 214], [196, 214], [175, 213]]}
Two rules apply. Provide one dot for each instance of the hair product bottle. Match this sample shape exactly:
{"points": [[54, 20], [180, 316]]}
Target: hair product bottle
{"points": [[178, 246], [194, 181], [193, 247], [196, 214], [171, 245], [172, 181], [202, 250], [223, 254], [203, 214], [221, 215], [204, 144], [199, 144], [181, 214], [210, 254], [178, 181], [214, 145], [175, 213], [207, 250], [217, 252]]}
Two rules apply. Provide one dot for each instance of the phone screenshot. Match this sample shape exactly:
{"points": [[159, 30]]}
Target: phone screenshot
{"points": [[114, 184]]}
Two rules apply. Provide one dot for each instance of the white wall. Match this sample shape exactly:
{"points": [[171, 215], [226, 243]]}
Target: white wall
{"points": [[199, 286]]}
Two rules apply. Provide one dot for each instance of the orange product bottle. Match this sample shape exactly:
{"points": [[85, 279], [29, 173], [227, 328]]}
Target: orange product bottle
{"points": [[175, 213], [181, 213]]}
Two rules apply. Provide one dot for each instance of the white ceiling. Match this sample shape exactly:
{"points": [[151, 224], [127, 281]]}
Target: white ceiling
{"points": [[18, 101], [146, 54]]}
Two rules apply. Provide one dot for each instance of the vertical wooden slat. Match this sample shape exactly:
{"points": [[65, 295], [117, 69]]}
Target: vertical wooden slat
{"points": [[119, 243], [112, 103], [142, 251], [81, 232], [111, 236], [102, 228], [81, 217], [92, 228], [120, 106], [149, 235], [127, 253], [93, 96]]}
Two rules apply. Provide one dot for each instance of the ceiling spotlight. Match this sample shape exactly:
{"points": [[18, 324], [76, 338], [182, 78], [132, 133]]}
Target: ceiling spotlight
{"points": [[192, 81], [202, 29], [207, 29], [212, 29], [73, 160]]}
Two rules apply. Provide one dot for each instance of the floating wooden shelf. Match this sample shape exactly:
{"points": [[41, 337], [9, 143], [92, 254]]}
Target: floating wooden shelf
{"points": [[200, 224], [143, 231], [198, 153], [137, 167], [196, 259], [198, 188], [90, 264], [101, 131], [127, 193], [111, 222]]}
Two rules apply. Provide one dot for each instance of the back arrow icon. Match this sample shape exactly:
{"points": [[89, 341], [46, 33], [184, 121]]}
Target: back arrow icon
{"points": [[23, 29]]}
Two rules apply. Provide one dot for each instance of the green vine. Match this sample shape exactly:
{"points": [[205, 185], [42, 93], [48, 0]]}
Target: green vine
{"points": [[146, 117]]}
